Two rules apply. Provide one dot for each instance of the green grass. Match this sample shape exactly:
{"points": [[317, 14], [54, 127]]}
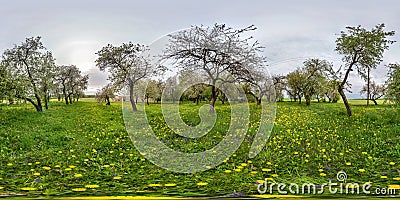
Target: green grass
{"points": [[86, 143]]}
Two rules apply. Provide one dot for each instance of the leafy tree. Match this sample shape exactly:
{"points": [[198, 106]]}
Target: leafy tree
{"points": [[314, 74], [31, 68], [361, 49], [154, 90], [218, 53], [126, 66], [195, 92], [393, 83], [331, 91], [375, 91], [295, 84], [71, 82]]}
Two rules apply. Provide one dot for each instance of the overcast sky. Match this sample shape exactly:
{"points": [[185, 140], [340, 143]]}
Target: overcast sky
{"points": [[291, 31]]}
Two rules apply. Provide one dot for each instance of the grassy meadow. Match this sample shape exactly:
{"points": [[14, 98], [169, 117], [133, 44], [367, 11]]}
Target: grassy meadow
{"points": [[84, 149]]}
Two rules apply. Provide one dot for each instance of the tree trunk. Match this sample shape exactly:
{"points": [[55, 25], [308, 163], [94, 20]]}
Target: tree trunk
{"points": [[131, 97], [108, 100], [346, 103], [368, 89], [376, 103], [38, 108], [39, 103], [214, 95], [258, 101], [308, 101], [147, 100], [70, 99], [65, 96], [46, 100], [299, 99], [197, 100]]}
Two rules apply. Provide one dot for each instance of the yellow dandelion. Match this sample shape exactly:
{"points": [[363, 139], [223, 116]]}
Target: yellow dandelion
{"points": [[296, 153], [352, 186], [78, 175], [1, 187], [266, 170], [68, 169], [228, 171], [269, 163], [46, 168], [57, 166], [364, 153], [208, 167], [383, 177], [320, 170], [244, 164], [322, 174], [155, 185], [72, 166], [117, 177], [71, 150], [249, 161], [9, 164], [202, 184], [269, 179], [240, 167], [36, 174], [28, 188], [237, 170], [396, 178], [260, 181], [369, 157], [79, 189], [274, 175], [306, 160], [29, 163], [253, 172], [361, 170], [392, 163], [92, 186], [396, 187], [348, 163], [170, 185]]}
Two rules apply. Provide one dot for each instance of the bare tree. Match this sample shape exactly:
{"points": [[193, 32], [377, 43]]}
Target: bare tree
{"points": [[126, 66], [261, 85], [218, 52], [375, 91]]}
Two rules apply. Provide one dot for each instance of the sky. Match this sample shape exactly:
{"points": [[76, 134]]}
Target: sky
{"points": [[290, 30]]}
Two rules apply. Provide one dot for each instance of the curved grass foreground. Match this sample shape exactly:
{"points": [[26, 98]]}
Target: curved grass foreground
{"points": [[83, 151]]}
